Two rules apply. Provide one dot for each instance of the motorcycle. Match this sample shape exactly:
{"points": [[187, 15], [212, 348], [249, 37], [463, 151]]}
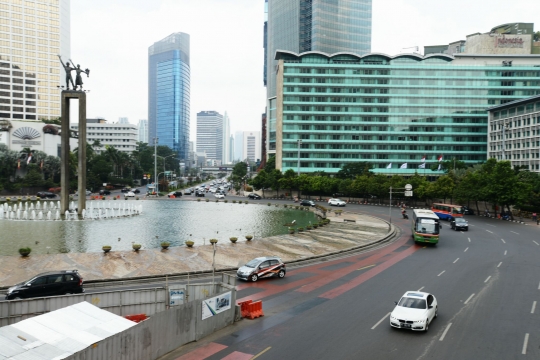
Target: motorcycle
{"points": [[405, 216]]}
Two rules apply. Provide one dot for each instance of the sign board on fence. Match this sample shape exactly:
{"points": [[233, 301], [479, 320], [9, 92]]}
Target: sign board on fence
{"points": [[218, 304], [176, 296]]}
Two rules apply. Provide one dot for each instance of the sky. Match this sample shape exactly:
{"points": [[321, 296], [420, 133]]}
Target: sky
{"points": [[111, 38]]}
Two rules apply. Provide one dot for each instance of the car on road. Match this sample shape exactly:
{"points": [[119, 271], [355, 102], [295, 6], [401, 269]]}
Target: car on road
{"points": [[254, 196], [176, 194], [126, 189], [87, 192], [104, 192], [414, 311], [307, 203], [219, 196], [136, 191], [262, 267], [459, 223], [51, 283], [336, 202], [199, 193], [46, 194], [188, 192], [129, 194], [467, 210]]}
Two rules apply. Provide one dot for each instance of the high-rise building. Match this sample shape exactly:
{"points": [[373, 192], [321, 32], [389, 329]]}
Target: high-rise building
{"points": [[123, 120], [239, 146], [252, 145], [32, 34], [122, 137], [169, 93], [226, 153], [143, 131], [231, 149], [210, 134], [327, 26]]}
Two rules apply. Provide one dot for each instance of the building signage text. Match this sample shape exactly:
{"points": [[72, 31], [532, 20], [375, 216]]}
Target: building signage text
{"points": [[505, 42]]}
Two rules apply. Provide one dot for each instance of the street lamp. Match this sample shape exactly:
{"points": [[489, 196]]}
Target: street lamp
{"points": [[155, 159], [299, 141]]}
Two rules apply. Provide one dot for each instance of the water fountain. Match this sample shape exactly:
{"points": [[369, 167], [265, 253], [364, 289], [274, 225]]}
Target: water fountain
{"points": [[49, 215], [18, 214], [57, 216], [25, 215], [33, 215], [40, 215]]}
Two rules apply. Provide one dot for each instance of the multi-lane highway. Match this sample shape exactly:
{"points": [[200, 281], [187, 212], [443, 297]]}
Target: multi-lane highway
{"points": [[486, 281]]}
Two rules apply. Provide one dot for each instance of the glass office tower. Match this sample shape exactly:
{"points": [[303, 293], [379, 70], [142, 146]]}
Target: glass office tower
{"points": [[391, 111], [169, 93], [328, 26], [32, 34]]}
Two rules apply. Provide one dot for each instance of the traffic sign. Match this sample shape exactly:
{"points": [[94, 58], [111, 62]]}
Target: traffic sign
{"points": [[408, 187], [408, 193]]}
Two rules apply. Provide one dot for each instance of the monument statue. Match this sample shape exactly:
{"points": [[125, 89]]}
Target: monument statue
{"points": [[78, 85], [78, 78], [68, 69]]}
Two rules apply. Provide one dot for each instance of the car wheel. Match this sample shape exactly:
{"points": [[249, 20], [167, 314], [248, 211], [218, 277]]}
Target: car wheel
{"points": [[254, 277], [427, 325], [281, 274]]}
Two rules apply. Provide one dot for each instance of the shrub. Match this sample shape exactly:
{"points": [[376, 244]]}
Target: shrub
{"points": [[136, 247], [300, 229], [207, 200], [249, 188], [291, 230], [225, 201], [25, 251], [199, 199], [234, 201], [249, 237], [106, 248], [246, 202], [269, 204], [189, 243], [217, 200]]}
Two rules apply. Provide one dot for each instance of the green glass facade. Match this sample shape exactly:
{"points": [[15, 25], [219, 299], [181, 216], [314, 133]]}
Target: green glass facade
{"points": [[391, 110]]}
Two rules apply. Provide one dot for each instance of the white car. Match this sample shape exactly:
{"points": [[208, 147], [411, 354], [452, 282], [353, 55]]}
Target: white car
{"points": [[212, 190], [414, 311], [130, 194], [336, 202], [219, 195]]}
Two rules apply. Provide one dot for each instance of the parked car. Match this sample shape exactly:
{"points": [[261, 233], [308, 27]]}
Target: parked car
{"points": [[129, 194], [188, 192], [176, 194], [254, 196], [262, 267], [46, 194], [414, 311], [307, 203], [136, 191], [336, 202], [104, 192], [219, 196], [125, 190], [459, 223], [199, 193], [467, 210], [48, 284]]}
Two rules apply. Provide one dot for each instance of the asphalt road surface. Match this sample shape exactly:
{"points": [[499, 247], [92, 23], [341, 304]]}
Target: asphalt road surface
{"points": [[486, 281]]}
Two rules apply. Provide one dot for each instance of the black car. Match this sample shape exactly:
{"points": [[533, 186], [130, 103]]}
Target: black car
{"points": [[467, 210], [136, 191], [125, 190], [175, 193], [254, 196], [46, 194], [459, 223], [199, 193], [307, 203], [48, 284], [104, 192]]}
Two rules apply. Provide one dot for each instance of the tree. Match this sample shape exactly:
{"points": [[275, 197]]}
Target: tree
{"points": [[352, 170], [260, 181], [270, 164], [288, 181], [443, 187], [536, 36]]}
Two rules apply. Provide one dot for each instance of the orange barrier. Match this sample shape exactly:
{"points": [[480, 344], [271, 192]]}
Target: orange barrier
{"points": [[255, 310], [244, 307], [136, 318]]}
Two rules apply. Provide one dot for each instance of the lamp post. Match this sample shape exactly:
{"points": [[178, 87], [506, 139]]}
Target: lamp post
{"points": [[299, 141], [164, 157], [155, 164]]}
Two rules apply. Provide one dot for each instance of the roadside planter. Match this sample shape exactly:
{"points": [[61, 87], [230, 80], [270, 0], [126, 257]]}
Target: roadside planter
{"points": [[136, 247], [249, 237], [165, 245], [291, 230], [189, 243], [106, 248], [213, 241], [300, 229], [233, 239], [25, 251]]}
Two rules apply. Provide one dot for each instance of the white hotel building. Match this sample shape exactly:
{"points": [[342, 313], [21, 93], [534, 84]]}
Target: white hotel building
{"points": [[123, 137]]}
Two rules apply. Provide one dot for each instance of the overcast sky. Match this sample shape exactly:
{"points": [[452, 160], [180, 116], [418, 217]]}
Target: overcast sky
{"points": [[111, 37]]}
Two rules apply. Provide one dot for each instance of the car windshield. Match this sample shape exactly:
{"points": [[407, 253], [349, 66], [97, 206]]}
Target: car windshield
{"points": [[252, 263], [412, 303], [460, 220], [427, 226]]}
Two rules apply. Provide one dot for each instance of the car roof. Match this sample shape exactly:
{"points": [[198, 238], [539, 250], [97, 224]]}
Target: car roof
{"points": [[57, 272], [263, 258], [416, 294]]}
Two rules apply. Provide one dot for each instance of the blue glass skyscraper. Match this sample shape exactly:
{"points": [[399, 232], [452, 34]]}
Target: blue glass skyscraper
{"points": [[169, 93]]}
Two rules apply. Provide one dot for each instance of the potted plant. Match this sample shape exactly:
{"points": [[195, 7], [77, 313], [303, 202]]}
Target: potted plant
{"points": [[225, 201], [315, 225], [233, 239], [207, 200], [217, 200], [291, 230], [300, 229], [189, 243], [199, 199], [114, 198], [285, 206], [308, 227], [234, 201], [25, 251], [249, 237], [165, 245], [213, 241], [136, 198], [136, 247], [269, 204], [106, 248], [246, 202]]}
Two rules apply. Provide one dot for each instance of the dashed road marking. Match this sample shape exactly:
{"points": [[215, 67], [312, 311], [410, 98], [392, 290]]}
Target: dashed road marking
{"points": [[536, 242], [469, 239], [533, 307], [421, 288], [489, 277], [441, 273], [489, 231], [262, 352], [505, 252], [366, 267], [504, 242], [525, 342], [499, 264], [380, 321], [538, 286], [466, 301], [514, 232], [466, 250], [455, 261], [445, 331]]}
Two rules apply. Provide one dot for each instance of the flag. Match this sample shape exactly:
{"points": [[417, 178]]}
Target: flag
{"points": [[422, 166], [29, 159], [439, 169], [389, 166], [404, 166], [439, 158], [424, 158]]}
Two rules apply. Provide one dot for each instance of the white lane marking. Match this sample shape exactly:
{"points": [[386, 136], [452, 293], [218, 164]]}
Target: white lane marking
{"points": [[455, 261], [504, 252], [499, 264], [489, 231], [421, 288], [533, 307], [538, 286], [466, 301], [380, 321], [469, 239], [489, 277], [525, 342], [466, 250], [441, 273], [514, 232], [445, 331], [536, 242], [504, 242], [491, 225]]}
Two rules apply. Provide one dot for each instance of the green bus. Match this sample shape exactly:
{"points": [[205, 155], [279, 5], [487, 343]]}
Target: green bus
{"points": [[425, 226]]}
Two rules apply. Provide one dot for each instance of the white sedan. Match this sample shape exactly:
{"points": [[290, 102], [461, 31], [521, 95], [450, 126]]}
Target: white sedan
{"points": [[336, 202], [414, 311], [130, 194], [219, 195]]}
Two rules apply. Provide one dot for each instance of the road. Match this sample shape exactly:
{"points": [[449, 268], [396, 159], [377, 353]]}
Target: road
{"points": [[486, 282]]}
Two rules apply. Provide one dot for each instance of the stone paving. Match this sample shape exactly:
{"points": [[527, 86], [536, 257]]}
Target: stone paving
{"points": [[338, 235]]}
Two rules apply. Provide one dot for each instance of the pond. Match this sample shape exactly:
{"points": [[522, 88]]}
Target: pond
{"points": [[174, 221]]}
